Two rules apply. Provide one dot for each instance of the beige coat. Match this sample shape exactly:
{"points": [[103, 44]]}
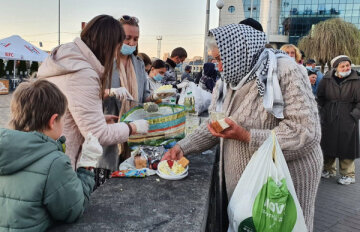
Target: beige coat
{"points": [[298, 133], [76, 71]]}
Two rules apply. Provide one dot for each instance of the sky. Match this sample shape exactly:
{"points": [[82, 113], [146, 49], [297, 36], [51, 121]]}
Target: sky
{"points": [[180, 22]]}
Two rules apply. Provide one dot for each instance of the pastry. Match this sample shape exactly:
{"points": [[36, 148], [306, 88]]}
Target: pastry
{"points": [[183, 162]]}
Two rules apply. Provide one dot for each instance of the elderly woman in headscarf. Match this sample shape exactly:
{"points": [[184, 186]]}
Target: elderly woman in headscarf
{"points": [[266, 90], [339, 101]]}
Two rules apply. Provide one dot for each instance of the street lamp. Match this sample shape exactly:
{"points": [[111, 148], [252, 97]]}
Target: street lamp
{"points": [[220, 4], [59, 25], [206, 29]]}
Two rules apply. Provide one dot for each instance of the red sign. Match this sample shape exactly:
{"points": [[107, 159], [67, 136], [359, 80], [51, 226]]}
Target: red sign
{"points": [[10, 54], [32, 49], [5, 45]]}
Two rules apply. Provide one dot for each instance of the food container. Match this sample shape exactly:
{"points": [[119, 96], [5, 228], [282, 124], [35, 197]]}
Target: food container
{"points": [[167, 123]]}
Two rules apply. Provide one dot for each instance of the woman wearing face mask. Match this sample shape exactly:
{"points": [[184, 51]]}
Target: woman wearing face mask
{"points": [[339, 101], [156, 75], [82, 70], [129, 82]]}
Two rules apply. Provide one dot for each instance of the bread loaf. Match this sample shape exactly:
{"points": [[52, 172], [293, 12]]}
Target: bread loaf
{"points": [[140, 162], [219, 125]]}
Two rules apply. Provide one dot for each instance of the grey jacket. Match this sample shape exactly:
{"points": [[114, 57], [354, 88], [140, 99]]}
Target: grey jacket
{"points": [[110, 159]]}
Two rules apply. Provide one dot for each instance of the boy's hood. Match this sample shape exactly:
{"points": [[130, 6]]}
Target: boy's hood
{"points": [[20, 149]]}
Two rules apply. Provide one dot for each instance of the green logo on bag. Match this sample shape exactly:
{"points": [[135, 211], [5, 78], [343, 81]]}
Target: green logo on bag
{"points": [[247, 225], [274, 208]]}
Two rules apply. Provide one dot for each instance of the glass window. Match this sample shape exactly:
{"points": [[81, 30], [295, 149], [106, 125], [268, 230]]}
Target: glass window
{"points": [[231, 9]]}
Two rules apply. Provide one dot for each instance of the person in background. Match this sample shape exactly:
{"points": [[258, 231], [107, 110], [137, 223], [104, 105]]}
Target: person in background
{"points": [[294, 119], [310, 65], [147, 61], [252, 23], [292, 51], [198, 76], [209, 77], [82, 70], [178, 55], [129, 87], [302, 57], [38, 185], [312, 78], [156, 74], [186, 75], [338, 97]]}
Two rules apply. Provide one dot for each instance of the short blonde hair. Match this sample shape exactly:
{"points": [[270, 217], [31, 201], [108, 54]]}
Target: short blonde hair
{"points": [[33, 104], [297, 51]]}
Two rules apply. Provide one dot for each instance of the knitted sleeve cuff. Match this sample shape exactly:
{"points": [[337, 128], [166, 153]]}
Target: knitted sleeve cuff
{"points": [[199, 141], [257, 138], [185, 145]]}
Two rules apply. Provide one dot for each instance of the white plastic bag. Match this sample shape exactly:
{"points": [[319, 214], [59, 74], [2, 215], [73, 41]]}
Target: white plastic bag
{"points": [[202, 97], [129, 164], [264, 198], [91, 152]]}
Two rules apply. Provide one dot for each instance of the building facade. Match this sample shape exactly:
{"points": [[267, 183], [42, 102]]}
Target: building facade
{"points": [[232, 12], [286, 21]]}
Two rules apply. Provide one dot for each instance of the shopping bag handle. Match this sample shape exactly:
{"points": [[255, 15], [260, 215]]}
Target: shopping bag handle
{"points": [[273, 135]]}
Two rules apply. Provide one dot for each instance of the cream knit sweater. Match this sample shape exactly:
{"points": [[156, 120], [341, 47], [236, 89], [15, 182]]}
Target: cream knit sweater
{"points": [[298, 133]]}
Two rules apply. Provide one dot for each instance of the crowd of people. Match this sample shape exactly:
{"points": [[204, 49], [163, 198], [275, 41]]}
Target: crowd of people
{"points": [[85, 86]]}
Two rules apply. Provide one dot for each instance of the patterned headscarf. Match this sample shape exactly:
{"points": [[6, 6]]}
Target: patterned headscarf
{"points": [[238, 45], [244, 58]]}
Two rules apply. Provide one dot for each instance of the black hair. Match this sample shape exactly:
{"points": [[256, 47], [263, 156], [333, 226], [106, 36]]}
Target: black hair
{"points": [[310, 72], [180, 52], [252, 23], [145, 58], [310, 61], [158, 64]]}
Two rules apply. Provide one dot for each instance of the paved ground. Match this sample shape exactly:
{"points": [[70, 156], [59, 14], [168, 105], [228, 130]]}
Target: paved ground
{"points": [[4, 109], [337, 206]]}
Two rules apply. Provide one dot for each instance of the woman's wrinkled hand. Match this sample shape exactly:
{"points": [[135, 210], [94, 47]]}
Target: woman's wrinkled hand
{"points": [[111, 119], [235, 131], [174, 153]]}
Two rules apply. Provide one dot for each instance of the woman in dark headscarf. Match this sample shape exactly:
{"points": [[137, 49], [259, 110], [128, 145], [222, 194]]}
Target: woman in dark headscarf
{"points": [[266, 90], [208, 80]]}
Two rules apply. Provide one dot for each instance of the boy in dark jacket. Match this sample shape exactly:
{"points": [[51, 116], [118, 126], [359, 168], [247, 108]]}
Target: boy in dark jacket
{"points": [[37, 183]]}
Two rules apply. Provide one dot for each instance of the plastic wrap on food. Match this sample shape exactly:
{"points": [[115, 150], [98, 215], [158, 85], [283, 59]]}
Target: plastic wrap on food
{"points": [[129, 173]]}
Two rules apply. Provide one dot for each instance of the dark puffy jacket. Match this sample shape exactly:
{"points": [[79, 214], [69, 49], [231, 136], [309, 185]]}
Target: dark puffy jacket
{"points": [[37, 183]]}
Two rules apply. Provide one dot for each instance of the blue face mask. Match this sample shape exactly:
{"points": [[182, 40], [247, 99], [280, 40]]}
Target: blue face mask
{"points": [[309, 68], [158, 77], [127, 50], [178, 65]]}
